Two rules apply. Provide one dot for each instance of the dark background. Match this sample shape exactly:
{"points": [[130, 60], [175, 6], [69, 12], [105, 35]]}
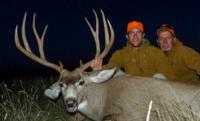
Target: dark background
{"points": [[68, 38]]}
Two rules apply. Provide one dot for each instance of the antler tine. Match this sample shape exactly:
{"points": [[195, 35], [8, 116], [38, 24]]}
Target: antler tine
{"points": [[105, 28], [24, 38], [27, 51], [40, 41], [108, 40], [95, 33]]}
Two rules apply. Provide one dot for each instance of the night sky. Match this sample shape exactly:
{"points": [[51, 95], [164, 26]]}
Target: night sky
{"points": [[68, 38]]}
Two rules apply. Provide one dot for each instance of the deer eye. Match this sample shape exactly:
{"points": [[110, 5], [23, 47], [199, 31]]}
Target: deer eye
{"points": [[60, 84], [82, 82]]}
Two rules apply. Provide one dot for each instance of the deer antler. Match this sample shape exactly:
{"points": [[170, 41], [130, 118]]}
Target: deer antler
{"points": [[108, 39], [26, 50]]}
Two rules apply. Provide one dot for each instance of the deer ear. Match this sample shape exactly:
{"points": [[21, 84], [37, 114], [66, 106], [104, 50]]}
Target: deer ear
{"points": [[103, 75], [53, 91]]}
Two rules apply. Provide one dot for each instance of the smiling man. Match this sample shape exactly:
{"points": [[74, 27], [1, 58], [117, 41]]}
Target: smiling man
{"points": [[184, 60], [138, 57]]}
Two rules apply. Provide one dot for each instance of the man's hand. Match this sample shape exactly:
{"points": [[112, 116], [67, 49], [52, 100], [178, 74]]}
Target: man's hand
{"points": [[96, 63]]}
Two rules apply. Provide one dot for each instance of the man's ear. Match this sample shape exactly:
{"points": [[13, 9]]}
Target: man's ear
{"points": [[174, 40], [158, 43], [127, 37], [102, 75], [53, 91], [143, 35]]}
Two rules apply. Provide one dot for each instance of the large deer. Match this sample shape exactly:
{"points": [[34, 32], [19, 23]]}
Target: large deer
{"points": [[98, 96]]}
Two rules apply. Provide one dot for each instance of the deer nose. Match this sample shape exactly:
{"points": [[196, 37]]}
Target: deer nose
{"points": [[71, 105]]}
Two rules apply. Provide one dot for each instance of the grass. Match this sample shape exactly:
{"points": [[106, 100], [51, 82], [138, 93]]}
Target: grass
{"points": [[24, 101]]}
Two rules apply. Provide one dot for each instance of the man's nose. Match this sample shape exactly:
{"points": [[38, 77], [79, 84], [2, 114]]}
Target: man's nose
{"points": [[134, 35], [165, 41]]}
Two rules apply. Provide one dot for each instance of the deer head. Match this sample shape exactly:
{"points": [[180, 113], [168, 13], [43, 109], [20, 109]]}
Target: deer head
{"points": [[70, 83]]}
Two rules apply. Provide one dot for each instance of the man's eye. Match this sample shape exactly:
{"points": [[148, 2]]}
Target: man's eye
{"points": [[81, 82], [138, 32]]}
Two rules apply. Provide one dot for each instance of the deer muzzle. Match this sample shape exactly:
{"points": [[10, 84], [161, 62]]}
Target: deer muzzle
{"points": [[71, 105]]}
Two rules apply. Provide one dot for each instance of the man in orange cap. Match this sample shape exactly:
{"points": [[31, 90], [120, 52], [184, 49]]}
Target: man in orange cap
{"points": [[184, 60], [138, 57]]}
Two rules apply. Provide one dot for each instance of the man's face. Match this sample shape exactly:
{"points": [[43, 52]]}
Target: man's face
{"points": [[135, 36], [165, 40]]}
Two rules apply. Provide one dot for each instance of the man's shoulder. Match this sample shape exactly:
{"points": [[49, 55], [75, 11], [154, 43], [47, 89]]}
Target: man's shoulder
{"points": [[153, 48], [184, 48], [187, 49], [121, 50]]}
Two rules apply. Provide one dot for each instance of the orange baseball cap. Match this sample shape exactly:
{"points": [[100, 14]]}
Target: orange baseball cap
{"points": [[135, 24], [166, 27]]}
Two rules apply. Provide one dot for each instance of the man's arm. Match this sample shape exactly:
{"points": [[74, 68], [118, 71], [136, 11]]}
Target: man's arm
{"points": [[192, 59]]}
